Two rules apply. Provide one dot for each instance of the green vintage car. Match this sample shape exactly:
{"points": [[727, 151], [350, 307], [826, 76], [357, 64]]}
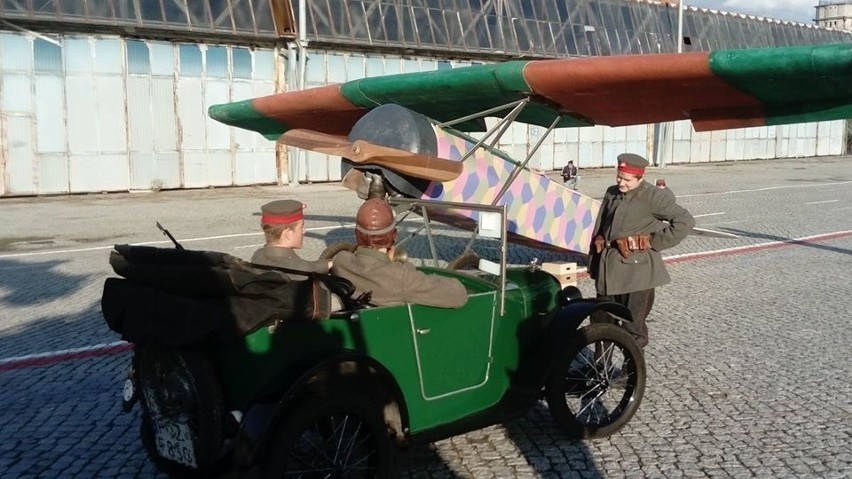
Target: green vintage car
{"points": [[335, 397]]}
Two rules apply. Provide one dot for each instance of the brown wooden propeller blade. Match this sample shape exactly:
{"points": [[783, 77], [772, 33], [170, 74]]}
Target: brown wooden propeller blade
{"points": [[316, 141], [363, 152], [412, 164]]}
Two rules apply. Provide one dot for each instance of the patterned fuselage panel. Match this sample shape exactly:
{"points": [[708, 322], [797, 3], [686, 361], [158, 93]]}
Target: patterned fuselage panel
{"points": [[539, 210]]}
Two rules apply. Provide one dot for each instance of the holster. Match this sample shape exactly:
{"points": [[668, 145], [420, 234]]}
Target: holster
{"points": [[631, 243]]}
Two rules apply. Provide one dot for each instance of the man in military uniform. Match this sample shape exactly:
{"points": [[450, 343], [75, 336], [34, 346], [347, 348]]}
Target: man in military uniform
{"points": [[372, 269], [283, 224], [636, 221]]}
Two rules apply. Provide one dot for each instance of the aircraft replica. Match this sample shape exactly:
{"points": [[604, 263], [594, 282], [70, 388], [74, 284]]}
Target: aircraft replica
{"points": [[407, 134]]}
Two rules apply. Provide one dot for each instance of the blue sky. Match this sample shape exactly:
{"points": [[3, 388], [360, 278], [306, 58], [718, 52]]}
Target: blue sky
{"points": [[795, 10]]}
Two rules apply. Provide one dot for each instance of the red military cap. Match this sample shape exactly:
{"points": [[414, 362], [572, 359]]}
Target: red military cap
{"points": [[632, 163], [281, 212]]}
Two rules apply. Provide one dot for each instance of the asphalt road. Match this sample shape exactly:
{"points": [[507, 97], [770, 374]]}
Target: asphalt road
{"points": [[749, 357]]}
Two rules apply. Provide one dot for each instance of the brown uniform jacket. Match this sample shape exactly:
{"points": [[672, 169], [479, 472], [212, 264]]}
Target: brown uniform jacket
{"points": [[393, 283], [287, 258], [641, 211]]}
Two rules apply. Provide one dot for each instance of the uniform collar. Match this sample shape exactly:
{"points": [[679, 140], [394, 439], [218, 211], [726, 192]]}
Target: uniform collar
{"points": [[365, 251]]}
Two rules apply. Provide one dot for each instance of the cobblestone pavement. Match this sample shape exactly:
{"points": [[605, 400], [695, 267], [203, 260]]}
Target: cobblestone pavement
{"points": [[749, 360]]}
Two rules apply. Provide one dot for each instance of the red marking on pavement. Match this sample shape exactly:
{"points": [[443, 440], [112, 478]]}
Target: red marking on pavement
{"points": [[56, 357]]}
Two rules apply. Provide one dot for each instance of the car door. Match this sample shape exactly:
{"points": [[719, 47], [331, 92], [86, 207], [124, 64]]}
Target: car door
{"points": [[453, 346]]}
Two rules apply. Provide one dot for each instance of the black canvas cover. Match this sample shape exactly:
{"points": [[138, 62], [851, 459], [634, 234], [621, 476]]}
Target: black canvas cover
{"points": [[176, 297]]}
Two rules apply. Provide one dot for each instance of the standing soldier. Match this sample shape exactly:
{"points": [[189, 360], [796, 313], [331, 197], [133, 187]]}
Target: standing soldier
{"points": [[636, 222]]}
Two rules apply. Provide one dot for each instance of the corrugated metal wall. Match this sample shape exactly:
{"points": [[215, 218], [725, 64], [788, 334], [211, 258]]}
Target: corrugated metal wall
{"points": [[101, 113]]}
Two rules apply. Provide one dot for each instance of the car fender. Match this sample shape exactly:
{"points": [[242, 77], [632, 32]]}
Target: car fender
{"points": [[338, 374]]}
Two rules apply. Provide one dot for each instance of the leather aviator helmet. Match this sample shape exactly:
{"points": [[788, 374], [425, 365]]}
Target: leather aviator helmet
{"points": [[374, 224]]}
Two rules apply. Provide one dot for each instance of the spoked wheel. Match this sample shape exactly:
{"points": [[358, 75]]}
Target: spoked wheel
{"points": [[182, 404], [331, 438], [598, 382]]}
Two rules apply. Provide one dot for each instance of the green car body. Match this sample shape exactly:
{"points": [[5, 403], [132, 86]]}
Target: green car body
{"points": [[439, 365]]}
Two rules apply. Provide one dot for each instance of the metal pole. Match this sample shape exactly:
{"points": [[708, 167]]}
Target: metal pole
{"points": [[680, 26], [302, 51]]}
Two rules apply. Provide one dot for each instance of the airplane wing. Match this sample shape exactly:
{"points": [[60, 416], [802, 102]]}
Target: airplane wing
{"points": [[718, 90]]}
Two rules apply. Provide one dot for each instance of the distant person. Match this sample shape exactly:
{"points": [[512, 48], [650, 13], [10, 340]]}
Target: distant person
{"points": [[636, 221], [372, 269], [661, 183], [569, 175], [283, 224]]}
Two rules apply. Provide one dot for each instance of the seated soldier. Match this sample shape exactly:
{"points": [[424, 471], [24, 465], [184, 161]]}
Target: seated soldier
{"points": [[283, 225], [371, 267]]}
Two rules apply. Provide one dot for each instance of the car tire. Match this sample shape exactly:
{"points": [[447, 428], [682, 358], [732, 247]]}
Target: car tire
{"points": [[179, 390], [331, 436], [331, 251], [597, 383]]}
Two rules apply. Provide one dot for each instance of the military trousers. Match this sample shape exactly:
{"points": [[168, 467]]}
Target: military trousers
{"points": [[639, 303]]}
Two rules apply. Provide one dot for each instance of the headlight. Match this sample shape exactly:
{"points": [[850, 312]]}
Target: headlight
{"points": [[568, 294]]}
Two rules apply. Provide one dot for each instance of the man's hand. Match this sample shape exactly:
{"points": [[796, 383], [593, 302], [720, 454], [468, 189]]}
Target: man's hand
{"points": [[623, 245], [600, 243]]}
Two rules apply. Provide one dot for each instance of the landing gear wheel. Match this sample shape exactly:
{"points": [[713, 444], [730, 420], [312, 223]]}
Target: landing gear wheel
{"points": [[332, 250], [343, 437], [598, 382], [468, 260], [182, 410]]}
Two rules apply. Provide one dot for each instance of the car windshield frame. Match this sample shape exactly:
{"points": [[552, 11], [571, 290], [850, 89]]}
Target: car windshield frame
{"points": [[421, 207]]}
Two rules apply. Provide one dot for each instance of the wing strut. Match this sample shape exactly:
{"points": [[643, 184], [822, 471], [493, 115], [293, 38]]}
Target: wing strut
{"points": [[520, 167]]}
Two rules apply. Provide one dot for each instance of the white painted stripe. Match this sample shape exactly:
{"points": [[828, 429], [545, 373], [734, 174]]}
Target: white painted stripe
{"points": [[768, 188], [147, 243], [821, 202], [709, 214]]}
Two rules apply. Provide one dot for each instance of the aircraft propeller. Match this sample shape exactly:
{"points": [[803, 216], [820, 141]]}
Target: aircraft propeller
{"points": [[363, 152]]}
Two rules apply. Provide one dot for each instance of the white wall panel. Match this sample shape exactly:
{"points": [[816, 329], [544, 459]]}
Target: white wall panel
{"points": [[220, 164], [78, 54], [191, 114], [823, 146], [140, 120], [16, 52], [154, 170], [109, 56], [168, 168], [143, 171], [20, 157], [17, 93], [111, 121], [162, 58], [53, 173], [255, 168], [165, 128], [195, 171], [312, 166], [50, 114], [105, 172], [81, 113], [218, 134]]}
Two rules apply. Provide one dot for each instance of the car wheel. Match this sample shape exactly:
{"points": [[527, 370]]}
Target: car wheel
{"points": [[332, 250], [341, 437], [598, 382], [182, 408]]}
